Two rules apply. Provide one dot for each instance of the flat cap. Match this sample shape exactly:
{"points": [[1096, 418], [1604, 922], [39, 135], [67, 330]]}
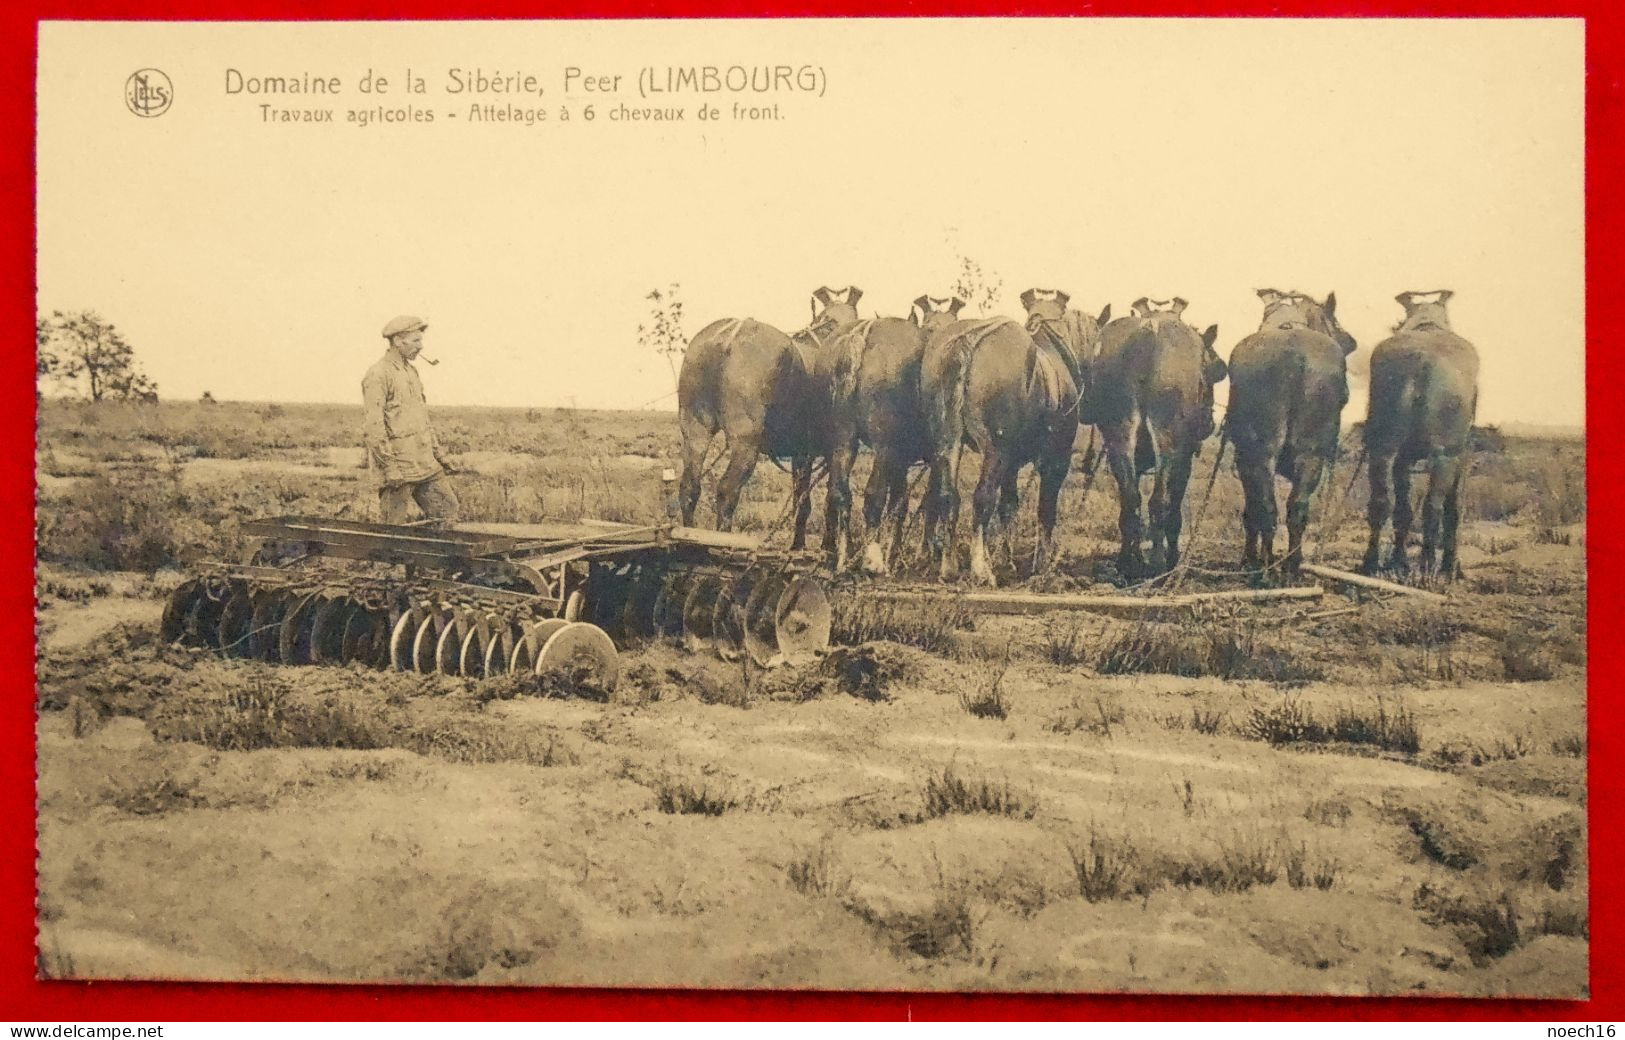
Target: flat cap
{"points": [[404, 323]]}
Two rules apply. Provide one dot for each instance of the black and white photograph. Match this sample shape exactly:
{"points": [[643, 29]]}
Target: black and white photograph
{"points": [[1066, 505]]}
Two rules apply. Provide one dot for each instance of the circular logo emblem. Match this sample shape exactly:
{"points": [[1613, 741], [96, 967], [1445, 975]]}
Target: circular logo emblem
{"points": [[148, 93]]}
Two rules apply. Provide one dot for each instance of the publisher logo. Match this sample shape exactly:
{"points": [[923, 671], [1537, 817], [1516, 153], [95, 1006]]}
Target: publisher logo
{"points": [[148, 93]]}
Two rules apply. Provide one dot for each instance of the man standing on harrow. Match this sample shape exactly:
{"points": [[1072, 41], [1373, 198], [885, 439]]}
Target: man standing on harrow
{"points": [[402, 449]]}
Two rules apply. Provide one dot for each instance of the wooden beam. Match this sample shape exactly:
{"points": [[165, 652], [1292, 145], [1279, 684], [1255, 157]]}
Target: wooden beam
{"points": [[1365, 582], [601, 531], [994, 602]]}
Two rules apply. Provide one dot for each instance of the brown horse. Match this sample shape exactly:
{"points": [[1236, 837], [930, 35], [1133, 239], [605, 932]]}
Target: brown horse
{"points": [[1288, 385], [1152, 398], [987, 383], [768, 394], [875, 395], [1424, 393]]}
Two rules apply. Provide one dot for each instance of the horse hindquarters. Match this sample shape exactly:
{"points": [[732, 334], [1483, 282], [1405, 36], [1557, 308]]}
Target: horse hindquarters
{"points": [[942, 392], [1310, 455], [843, 450], [742, 451], [1053, 464], [697, 437], [1119, 440], [1388, 426], [885, 498], [1441, 510], [1256, 430]]}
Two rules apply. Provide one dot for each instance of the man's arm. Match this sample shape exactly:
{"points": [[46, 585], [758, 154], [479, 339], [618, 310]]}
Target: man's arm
{"points": [[439, 451]]}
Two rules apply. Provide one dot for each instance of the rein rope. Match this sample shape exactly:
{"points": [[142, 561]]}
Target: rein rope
{"points": [[1177, 576]]}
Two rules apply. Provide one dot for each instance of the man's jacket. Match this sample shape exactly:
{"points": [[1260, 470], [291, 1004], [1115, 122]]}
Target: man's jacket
{"points": [[401, 445]]}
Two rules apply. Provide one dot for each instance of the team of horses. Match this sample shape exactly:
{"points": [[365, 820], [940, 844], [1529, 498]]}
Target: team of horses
{"points": [[926, 388]]}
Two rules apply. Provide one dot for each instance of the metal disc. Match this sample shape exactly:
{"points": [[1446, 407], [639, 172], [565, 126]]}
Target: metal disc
{"points": [[264, 628], [173, 625], [728, 615], [499, 649], [608, 589], [236, 620], [293, 638], [327, 629], [582, 652], [634, 624], [801, 620], [527, 650], [699, 608], [401, 636], [448, 649], [362, 640], [471, 655], [668, 605], [447, 643], [427, 638], [574, 605], [201, 626], [761, 637]]}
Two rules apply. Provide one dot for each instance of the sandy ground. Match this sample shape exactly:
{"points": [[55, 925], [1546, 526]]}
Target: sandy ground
{"points": [[825, 867], [705, 828]]}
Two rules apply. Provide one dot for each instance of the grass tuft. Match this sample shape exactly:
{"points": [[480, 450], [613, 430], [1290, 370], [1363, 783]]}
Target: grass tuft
{"points": [[987, 700], [930, 623], [1108, 867], [814, 872], [1290, 721], [1525, 659], [682, 797], [949, 792]]}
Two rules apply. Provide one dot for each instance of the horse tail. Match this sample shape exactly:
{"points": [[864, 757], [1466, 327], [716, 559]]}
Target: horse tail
{"points": [[948, 402], [729, 333], [1034, 361], [1297, 395], [1145, 445], [849, 351]]}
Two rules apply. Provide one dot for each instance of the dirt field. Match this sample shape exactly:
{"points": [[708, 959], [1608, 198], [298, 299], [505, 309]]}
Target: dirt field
{"points": [[1387, 800]]}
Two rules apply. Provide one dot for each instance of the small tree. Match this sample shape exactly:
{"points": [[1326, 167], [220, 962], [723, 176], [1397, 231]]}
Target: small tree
{"points": [[88, 355], [46, 360], [979, 289], [663, 333]]}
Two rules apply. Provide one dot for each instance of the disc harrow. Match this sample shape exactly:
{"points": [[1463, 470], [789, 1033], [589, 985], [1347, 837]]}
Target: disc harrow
{"points": [[480, 601]]}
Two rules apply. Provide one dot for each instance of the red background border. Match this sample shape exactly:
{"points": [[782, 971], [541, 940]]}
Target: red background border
{"points": [[22, 997]]}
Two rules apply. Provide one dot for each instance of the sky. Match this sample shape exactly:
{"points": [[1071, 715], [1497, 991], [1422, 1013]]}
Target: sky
{"points": [[1113, 159]]}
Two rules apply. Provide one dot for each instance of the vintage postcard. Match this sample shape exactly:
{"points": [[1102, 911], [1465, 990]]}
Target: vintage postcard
{"points": [[1065, 505]]}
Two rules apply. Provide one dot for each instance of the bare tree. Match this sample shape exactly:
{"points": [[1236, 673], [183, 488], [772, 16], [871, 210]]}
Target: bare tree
{"points": [[45, 358], [88, 355], [663, 333], [978, 288]]}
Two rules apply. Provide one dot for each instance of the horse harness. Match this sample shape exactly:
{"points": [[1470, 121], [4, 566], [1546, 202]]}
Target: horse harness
{"points": [[1297, 320]]}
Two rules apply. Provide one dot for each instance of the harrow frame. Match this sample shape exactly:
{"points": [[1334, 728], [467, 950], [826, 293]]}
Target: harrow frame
{"points": [[479, 600]]}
